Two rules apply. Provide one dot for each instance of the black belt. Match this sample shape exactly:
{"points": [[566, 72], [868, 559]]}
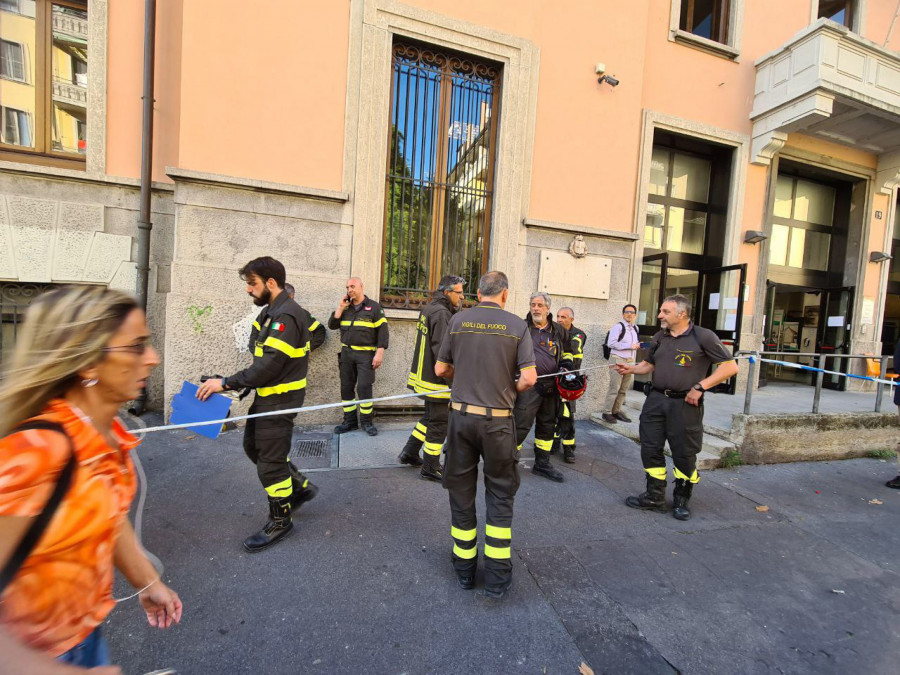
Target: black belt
{"points": [[672, 393]]}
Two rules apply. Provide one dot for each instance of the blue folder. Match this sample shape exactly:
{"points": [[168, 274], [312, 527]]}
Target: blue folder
{"points": [[187, 408]]}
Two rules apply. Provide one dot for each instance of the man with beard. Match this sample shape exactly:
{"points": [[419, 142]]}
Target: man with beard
{"points": [[431, 327], [565, 424], [679, 358], [539, 406], [280, 344]]}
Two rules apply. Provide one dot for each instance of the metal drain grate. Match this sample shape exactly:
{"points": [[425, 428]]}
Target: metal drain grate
{"points": [[317, 448]]}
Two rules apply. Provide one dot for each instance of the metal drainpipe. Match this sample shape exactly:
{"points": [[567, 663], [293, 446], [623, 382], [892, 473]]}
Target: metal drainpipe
{"points": [[144, 224]]}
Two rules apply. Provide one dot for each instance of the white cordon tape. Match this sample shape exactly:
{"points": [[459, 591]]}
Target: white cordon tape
{"points": [[812, 369], [323, 406]]}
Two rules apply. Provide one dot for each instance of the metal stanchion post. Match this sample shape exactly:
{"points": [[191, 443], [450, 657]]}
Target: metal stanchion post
{"points": [[751, 379], [819, 377], [879, 389]]}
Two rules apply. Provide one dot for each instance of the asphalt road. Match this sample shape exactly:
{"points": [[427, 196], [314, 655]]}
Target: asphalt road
{"points": [[364, 585]]}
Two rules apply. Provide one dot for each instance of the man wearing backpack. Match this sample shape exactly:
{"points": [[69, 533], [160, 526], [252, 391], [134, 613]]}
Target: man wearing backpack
{"points": [[622, 343]]}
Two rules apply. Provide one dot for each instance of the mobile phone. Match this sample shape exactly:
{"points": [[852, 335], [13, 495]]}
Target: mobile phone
{"points": [[347, 298]]}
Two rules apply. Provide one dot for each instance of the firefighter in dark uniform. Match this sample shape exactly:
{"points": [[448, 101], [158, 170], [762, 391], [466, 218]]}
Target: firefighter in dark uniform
{"points": [[364, 337], [565, 422], [540, 406], [280, 344], [680, 356], [431, 429], [486, 348], [316, 329]]}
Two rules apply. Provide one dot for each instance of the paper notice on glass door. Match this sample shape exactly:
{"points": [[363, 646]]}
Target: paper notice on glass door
{"points": [[731, 303], [835, 321], [714, 300], [730, 322]]}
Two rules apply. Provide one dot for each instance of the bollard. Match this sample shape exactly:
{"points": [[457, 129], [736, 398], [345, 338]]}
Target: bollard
{"points": [[879, 389], [751, 380], [819, 377]]}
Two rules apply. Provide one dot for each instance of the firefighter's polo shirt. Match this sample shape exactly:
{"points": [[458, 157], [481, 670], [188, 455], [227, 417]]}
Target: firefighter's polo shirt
{"points": [[681, 362], [486, 346]]}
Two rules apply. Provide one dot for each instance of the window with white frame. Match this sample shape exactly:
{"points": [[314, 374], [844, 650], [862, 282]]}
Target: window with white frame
{"points": [[714, 26], [16, 127], [12, 60]]}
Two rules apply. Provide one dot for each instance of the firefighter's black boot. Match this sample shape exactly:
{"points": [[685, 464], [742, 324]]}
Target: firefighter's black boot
{"points": [[894, 483], [682, 495], [349, 424], [365, 421], [277, 528], [302, 490], [569, 454], [410, 453], [432, 468], [543, 467], [654, 499]]}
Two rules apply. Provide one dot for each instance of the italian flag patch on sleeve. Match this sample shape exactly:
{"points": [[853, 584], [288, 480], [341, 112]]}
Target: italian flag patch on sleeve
{"points": [[277, 325]]}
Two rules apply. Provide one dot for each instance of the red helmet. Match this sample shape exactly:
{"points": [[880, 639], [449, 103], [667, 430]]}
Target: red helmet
{"points": [[571, 386]]}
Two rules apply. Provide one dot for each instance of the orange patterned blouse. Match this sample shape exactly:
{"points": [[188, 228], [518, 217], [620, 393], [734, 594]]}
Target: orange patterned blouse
{"points": [[64, 589]]}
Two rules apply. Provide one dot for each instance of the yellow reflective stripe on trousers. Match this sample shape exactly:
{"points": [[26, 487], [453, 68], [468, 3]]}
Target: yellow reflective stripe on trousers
{"points": [[349, 406], [657, 472], [541, 444], [284, 347], [568, 441], [433, 448], [566, 412], [282, 489], [463, 535], [359, 349], [693, 479], [498, 532], [282, 388], [257, 350], [497, 553], [365, 408], [421, 427], [465, 553], [418, 435]]}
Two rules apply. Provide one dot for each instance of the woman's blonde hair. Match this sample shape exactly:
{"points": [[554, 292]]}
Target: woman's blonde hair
{"points": [[65, 331]]}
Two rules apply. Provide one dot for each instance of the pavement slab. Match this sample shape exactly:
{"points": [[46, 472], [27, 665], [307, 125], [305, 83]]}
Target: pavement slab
{"points": [[364, 583]]}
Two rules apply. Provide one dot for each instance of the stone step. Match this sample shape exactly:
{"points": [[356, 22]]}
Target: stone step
{"points": [[710, 454], [636, 402]]}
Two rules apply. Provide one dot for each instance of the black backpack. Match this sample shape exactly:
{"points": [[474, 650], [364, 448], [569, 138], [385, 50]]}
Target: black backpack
{"points": [[607, 350]]}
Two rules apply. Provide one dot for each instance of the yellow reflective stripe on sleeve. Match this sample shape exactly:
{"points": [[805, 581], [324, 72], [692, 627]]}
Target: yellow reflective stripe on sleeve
{"points": [[657, 472], [527, 368], [285, 348], [256, 325], [282, 388], [282, 489], [497, 553], [433, 448], [465, 553], [541, 444], [463, 535], [313, 326], [257, 351], [498, 532], [695, 478]]}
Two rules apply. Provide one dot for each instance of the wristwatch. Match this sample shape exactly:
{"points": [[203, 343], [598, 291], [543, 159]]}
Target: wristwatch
{"points": [[699, 387], [225, 387]]}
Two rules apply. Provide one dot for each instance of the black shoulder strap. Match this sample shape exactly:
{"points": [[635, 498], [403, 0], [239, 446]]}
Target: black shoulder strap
{"points": [[39, 524]]}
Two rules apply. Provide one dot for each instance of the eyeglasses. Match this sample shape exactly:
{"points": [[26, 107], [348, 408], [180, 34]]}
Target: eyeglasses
{"points": [[138, 349], [629, 311]]}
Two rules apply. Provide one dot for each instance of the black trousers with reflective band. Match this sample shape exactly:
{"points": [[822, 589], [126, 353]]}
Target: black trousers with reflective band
{"points": [[471, 438], [267, 442], [432, 426], [357, 376], [534, 408], [674, 420], [565, 423]]}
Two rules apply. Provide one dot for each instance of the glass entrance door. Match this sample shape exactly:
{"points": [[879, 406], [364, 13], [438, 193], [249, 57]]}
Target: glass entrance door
{"points": [[720, 308], [834, 333], [653, 285]]}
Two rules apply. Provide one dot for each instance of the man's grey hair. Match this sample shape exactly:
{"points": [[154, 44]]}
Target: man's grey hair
{"points": [[568, 309], [540, 294], [493, 284], [448, 281], [682, 304]]}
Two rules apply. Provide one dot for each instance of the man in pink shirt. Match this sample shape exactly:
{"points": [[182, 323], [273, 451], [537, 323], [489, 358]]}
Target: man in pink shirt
{"points": [[623, 342]]}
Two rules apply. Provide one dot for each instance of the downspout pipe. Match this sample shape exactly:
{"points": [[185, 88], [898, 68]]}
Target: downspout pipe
{"points": [[144, 224]]}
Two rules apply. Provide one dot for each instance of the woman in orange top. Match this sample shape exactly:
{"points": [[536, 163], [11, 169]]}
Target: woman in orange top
{"points": [[82, 352]]}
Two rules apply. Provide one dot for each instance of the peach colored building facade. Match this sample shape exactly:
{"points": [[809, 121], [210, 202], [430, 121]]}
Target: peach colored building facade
{"points": [[747, 156]]}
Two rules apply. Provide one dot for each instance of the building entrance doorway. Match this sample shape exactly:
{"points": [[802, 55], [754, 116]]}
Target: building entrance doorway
{"points": [[807, 322]]}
